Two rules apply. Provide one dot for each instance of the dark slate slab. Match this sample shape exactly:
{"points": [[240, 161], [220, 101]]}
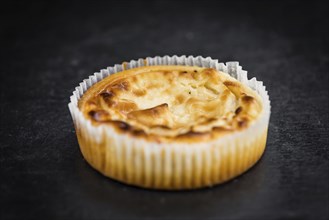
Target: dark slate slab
{"points": [[48, 48]]}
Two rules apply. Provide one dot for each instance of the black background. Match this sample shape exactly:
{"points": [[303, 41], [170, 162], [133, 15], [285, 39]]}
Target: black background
{"points": [[48, 48]]}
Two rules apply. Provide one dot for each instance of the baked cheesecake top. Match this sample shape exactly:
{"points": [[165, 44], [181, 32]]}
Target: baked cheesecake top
{"points": [[171, 103]]}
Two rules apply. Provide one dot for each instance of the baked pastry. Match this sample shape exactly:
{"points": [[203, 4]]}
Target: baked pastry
{"points": [[170, 126]]}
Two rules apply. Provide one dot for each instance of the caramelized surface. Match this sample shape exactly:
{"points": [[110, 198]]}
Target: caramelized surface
{"points": [[168, 103]]}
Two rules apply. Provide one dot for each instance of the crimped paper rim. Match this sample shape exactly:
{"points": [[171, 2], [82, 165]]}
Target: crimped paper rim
{"points": [[99, 134]]}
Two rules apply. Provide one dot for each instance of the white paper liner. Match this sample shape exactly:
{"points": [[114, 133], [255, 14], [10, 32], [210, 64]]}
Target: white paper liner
{"points": [[175, 165]]}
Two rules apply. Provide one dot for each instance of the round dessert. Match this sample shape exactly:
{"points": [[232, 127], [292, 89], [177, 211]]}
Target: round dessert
{"points": [[171, 126]]}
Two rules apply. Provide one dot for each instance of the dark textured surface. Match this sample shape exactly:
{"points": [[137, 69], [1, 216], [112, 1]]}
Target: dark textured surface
{"points": [[48, 49]]}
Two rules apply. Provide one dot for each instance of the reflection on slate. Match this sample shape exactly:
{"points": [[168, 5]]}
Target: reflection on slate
{"points": [[49, 48]]}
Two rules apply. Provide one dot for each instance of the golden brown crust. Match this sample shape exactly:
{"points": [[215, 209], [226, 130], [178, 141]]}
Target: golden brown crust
{"points": [[171, 103]]}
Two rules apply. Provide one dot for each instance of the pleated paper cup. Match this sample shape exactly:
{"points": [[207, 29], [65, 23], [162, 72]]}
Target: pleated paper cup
{"points": [[171, 166]]}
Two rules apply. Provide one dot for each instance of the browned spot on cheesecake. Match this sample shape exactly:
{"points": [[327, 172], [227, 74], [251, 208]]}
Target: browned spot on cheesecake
{"points": [[207, 121], [107, 95], [123, 85], [121, 125], [180, 98], [225, 95], [99, 115], [138, 133], [192, 134], [222, 129], [167, 73], [162, 127], [197, 76], [234, 87], [242, 122], [210, 88], [153, 86], [211, 119], [210, 107], [139, 92], [238, 110], [157, 110], [231, 83], [209, 72], [134, 79], [247, 99]]}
